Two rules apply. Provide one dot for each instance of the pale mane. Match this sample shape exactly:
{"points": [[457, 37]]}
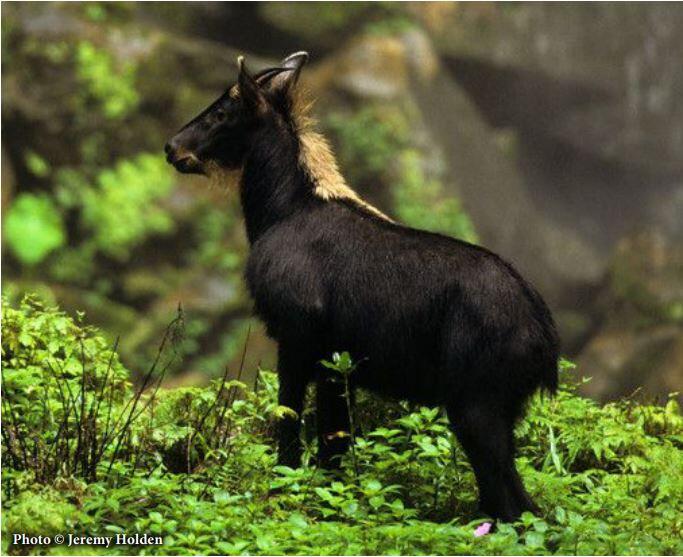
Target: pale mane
{"points": [[315, 157], [318, 161]]}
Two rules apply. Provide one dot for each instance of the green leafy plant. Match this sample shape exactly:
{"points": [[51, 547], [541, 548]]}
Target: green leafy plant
{"points": [[369, 139], [375, 144], [420, 201], [37, 165], [197, 466], [122, 207], [342, 365], [66, 400], [112, 85]]}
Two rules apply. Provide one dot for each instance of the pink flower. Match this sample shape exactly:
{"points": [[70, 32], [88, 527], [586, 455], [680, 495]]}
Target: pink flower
{"points": [[482, 530]]}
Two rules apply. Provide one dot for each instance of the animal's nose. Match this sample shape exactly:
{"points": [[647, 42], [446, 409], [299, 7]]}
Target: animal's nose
{"points": [[171, 150]]}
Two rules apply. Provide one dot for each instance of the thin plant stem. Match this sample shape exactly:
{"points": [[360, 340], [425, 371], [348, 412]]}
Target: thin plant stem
{"points": [[352, 425]]}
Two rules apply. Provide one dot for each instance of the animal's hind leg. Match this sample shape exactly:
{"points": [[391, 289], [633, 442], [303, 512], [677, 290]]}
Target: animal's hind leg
{"points": [[485, 433], [524, 500]]}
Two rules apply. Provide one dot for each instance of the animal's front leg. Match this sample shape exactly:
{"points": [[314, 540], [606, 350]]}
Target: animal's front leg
{"points": [[332, 422], [293, 380]]}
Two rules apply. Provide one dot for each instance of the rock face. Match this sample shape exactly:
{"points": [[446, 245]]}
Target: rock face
{"points": [[618, 69], [599, 87], [494, 191]]}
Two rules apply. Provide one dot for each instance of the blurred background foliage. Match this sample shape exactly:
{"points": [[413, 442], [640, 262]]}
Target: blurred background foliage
{"points": [[550, 134]]}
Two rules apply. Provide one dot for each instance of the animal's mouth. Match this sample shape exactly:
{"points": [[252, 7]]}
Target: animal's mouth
{"points": [[186, 164]]}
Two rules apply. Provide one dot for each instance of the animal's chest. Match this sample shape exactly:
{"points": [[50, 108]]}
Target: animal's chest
{"points": [[286, 285]]}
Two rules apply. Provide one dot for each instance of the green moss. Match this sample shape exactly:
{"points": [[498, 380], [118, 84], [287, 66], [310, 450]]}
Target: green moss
{"points": [[392, 25], [37, 165], [57, 52], [43, 513]]}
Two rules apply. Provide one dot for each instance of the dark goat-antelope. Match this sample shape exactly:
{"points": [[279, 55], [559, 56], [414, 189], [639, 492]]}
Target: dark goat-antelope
{"points": [[431, 319]]}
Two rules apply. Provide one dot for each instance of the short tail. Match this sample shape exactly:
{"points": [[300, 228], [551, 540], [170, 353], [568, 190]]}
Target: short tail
{"points": [[550, 373], [550, 379]]}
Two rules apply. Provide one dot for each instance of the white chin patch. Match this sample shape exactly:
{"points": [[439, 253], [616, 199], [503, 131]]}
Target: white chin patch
{"points": [[221, 177]]}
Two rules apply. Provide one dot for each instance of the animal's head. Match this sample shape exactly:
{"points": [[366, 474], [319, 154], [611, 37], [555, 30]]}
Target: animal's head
{"points": [[222, 133]]}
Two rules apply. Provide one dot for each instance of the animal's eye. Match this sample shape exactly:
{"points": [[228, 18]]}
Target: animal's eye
{"points": [[220, 114]]}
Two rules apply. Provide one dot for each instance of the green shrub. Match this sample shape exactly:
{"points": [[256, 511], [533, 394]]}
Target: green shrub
{"points": [[68, 405], [197, 466], [37, 165], [369, 139]]}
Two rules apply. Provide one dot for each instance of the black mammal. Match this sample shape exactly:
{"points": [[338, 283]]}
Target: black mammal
{"points": [[432, 319]]}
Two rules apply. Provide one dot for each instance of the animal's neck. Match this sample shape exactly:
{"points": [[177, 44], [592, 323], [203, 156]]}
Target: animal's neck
{"points": [[273, 184], [320, 166], [282, 174]]}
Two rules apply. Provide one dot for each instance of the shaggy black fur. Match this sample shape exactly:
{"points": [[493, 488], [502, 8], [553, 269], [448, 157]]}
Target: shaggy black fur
{"points": [[431, 319]]}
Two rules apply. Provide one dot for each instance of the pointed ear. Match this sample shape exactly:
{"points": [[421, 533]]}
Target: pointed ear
{"points": [[292, 64], [250, 94]]}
